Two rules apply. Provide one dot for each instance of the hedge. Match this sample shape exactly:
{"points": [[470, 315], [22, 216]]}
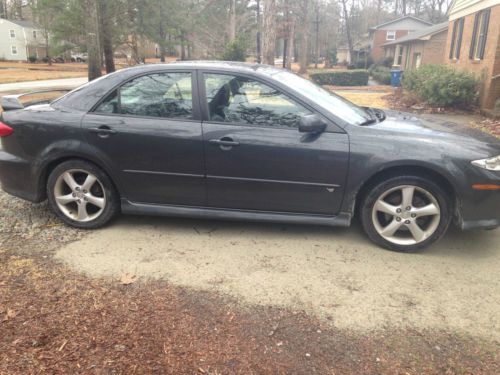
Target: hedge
{"points": [[341, 78], [382, 75], [440, 85]]}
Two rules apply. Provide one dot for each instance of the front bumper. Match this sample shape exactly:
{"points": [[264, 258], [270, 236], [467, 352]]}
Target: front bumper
{"points": [[480, 208], [17, 179]]}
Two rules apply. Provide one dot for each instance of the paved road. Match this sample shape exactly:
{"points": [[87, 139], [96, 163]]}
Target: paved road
{"points": [[42, 85]]}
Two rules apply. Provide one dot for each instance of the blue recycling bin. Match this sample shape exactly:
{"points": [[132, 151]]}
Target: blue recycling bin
{"points": [[396, 75]]}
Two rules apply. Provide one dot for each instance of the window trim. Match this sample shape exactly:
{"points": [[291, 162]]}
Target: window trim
{"points": [[12, 31], [393, 32], [194, 88], [206, 110], [12, 50]]}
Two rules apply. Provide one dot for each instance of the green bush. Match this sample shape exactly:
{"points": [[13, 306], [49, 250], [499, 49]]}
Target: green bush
{"points": [[381, 74], [441, 85], [341, 78], [362, 62], [235, 51], [32, 59]]}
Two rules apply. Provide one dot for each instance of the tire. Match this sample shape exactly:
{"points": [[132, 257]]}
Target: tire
{"points": [[394, 224], [82, 195]]}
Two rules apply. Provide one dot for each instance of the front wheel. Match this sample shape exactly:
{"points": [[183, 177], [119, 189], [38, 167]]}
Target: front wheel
{"points": [[405, 213], [82, 195]]}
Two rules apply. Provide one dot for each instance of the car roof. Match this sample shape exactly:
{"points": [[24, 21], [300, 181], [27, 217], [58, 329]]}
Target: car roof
{"points": [[232, 66]]}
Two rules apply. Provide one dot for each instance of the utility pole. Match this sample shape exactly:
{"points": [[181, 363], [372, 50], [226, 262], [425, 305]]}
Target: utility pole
{"points": [[258, 33]]}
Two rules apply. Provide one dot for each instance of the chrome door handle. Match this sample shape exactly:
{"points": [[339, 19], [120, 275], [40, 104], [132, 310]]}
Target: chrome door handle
{"points": [[225, 143], [103, 130]]}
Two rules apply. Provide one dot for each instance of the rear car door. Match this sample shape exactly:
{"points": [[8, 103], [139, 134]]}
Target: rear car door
{"points": [[148, 130], [256, 159]]}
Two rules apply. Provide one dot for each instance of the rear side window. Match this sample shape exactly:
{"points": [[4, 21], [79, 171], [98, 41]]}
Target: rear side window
{"points": [[166, 95]]}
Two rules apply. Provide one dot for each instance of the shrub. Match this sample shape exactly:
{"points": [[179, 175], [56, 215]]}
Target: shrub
{"points": [[341, 78], [385, 61], [362, 62], [332, 56], [235, 51], [381, 74], [442, 86], [32, 59]]}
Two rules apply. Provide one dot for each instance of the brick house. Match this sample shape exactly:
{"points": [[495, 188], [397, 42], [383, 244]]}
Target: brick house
{"points": [[392, 30], [425, 46], [473, 45]]}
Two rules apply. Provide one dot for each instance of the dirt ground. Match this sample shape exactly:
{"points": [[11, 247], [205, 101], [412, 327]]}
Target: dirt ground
{"points": [[157, 295], [18, 72]]}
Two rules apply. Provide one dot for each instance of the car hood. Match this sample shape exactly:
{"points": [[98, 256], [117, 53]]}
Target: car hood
{"points": [[437, 129]]}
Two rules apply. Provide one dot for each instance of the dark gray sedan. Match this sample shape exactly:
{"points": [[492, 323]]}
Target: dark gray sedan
{"points": [[237, 141]]}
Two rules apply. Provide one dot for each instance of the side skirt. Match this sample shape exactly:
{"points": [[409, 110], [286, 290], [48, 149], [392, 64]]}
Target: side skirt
{"points": [[343, 219]]}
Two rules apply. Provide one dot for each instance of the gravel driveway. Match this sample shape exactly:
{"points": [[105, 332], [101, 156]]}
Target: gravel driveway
{"points": [[335, 273]]}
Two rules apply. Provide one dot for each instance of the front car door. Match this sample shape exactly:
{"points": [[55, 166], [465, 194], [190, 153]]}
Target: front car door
{"points": [[149, 130], [256, 159]]}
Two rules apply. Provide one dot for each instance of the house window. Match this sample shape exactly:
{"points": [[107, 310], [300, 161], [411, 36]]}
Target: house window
{"points": [[12, 33], [391, 35], [34, 34], [398, 60], [479, 34], [13, 50], [456, 39]]}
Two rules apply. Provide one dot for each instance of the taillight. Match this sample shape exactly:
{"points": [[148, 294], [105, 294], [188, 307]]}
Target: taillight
{"points": [[5, 130]]}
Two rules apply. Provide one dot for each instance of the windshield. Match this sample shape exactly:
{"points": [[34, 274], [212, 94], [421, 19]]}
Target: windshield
{"points": [[337, 105]]}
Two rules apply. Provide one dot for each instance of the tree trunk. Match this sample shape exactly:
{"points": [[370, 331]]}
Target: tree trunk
{"points": [[107, 36], [232, 20], [304, 37], [290, 53], [47, 47], [348, 30], [93, 48], [269, 28], [258, 49]]}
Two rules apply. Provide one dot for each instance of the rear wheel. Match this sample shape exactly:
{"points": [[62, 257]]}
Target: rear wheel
{"points": [[82, 195], [405, 213]]}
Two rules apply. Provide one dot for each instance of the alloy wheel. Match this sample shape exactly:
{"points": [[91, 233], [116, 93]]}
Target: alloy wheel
{"points": [[80, 195], [406, 215]]}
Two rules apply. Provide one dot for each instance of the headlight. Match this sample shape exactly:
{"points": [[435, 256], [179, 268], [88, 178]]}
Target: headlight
{"points": [[491, 164]]}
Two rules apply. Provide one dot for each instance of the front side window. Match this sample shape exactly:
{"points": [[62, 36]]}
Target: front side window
{"points": [[391, 35], [456, 39], [479, 34], [12, 33], [34, 34], [167, 95], [241, 100], [14, 50]]}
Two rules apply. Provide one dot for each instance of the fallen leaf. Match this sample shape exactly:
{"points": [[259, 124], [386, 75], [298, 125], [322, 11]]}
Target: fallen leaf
{"points": [[9, 315], [128, 279]]}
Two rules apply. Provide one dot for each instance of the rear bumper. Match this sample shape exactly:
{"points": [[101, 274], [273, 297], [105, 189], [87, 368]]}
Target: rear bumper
{"points": [[17, 179]]}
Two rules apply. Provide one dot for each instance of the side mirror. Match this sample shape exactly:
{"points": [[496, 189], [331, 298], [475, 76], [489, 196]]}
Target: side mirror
{"points": [[311, 124]]}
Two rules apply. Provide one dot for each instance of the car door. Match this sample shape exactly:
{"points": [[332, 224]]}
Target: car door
{"points": [[149, 131], [256, 159]]}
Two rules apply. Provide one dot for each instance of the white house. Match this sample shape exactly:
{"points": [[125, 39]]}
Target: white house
{"points": [[21, 39]]}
